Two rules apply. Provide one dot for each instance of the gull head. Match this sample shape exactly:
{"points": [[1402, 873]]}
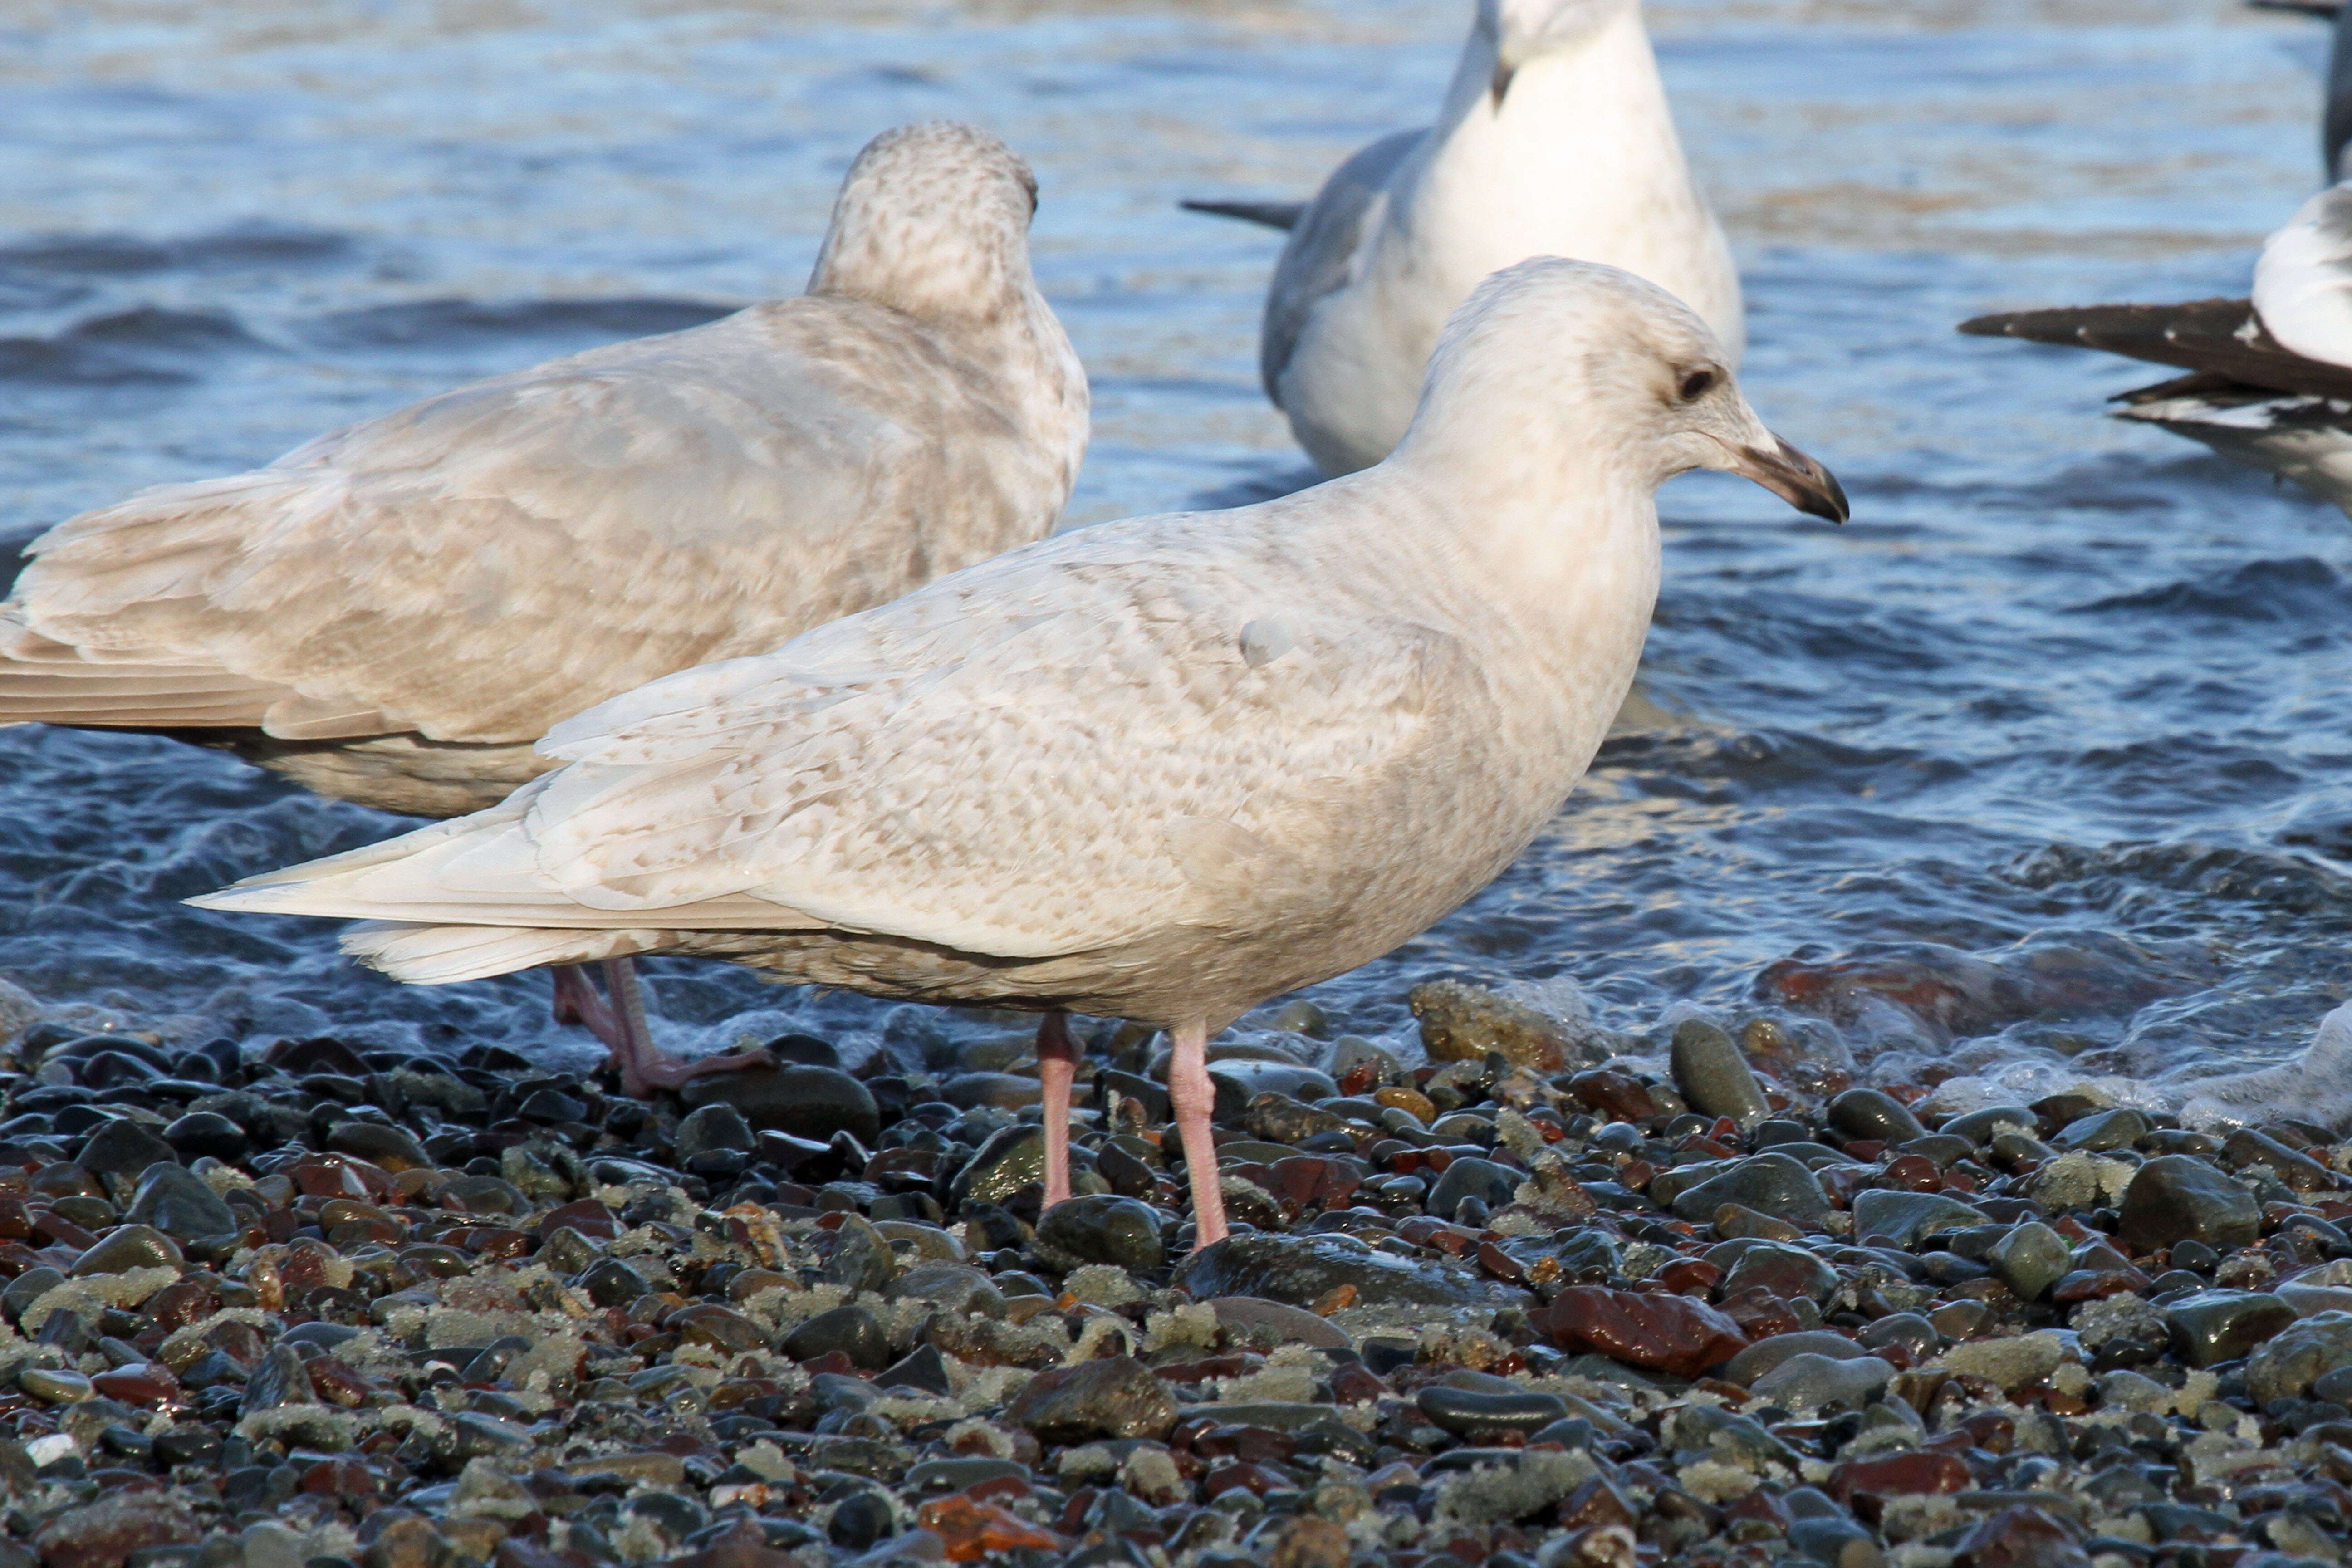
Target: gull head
{"points": [[934, 220], [1556, 377], [1522, 30]]}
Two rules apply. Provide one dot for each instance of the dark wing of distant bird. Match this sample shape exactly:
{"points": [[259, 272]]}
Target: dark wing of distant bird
{"points": [[1283, 215], [1322, 254], [2217, 338], [2325, 10]]}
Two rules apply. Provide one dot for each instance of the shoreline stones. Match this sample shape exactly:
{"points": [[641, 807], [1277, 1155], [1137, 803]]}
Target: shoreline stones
{"points": [[337, 1308]]}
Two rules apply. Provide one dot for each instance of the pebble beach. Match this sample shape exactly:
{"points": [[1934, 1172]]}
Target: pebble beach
{"points": [[1534, 1300]]}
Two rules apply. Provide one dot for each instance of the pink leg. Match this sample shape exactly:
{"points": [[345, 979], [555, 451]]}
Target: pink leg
{"points": [[1057, 1065], [620, 1024], [1193, 1097]]}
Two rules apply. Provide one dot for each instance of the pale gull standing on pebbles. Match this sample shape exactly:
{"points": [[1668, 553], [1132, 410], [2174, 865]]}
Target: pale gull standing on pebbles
{"points": [[396, 613], [1556, 139], [1161, 769], [2270, 377]]}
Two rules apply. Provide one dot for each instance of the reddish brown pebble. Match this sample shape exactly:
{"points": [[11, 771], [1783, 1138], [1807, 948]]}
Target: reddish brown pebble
{"points": [[1672, 1333], [1917, 1473]]}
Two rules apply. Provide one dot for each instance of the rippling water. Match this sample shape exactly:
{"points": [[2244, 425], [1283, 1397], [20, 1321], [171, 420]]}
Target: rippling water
{"points": [[2067, 696]]}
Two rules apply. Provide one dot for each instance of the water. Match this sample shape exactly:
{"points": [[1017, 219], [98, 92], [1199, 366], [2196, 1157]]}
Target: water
{"points": [[2067, 695]]}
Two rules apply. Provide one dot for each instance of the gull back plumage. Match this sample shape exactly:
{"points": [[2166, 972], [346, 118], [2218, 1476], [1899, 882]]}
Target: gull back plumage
{"points": [[393, 613], [1159, 769], [1556, 139]]}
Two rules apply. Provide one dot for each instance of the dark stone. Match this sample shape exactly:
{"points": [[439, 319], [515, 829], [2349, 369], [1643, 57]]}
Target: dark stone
{"points": [[1765, 1355], [388, 1147], [1677, 1334], [2177, 1197], [812, 1102], [852, 1330], [1465, 1410], [1471, 1177], [862, 1260], [1101, 1228], [1981, 1127], [126, 1248], [2119, 1127], [1866, 1113], [1904, 1217], [1305, 1270], [1012, 1158], [279, 1378], [1713, 1075], [1114, 1397], [613, 1283], [1770, 1184], [923, 1370], [1786, 1271], [122, 1148], [2215, 1326], [1239, 1080], [207, 1132], [177, 1202], [2298, 1355]]}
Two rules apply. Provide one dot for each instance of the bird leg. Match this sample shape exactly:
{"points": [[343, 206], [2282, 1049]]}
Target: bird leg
{"points": [[620, 1024], [1193, 1095], [1057, 1065]]}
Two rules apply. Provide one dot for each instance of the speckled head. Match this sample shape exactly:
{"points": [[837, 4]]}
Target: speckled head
{"points": [[1570, 374], [932, 219]]}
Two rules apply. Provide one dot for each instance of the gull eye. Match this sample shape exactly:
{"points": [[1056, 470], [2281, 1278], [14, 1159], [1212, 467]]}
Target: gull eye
{"points": [[1696, 384]]}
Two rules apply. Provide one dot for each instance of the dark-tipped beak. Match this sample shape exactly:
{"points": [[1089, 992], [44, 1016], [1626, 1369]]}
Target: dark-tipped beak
{"points": [[1797, 479]]}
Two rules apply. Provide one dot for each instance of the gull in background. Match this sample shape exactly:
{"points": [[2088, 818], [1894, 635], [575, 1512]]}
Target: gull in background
{"points": [[1556, 139], [2270, 376], [1161, 769], [396, 613]]}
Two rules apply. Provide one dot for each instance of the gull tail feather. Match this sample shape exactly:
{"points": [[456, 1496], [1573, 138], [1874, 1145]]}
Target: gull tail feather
{"points": [[446, 954], [1283, 215]]}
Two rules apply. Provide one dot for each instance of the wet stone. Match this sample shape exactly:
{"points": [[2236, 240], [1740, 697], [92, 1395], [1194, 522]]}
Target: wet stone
{"points": [[203, 1133], [126, 1248], [862, 1260], [1306, 1270], [2177, 1197], [2029, 1260], [850, 1329], [52, 1386], [1012, 1158], [2214, 1326], [1471, 1177], [1904, 1217], [1785, 1272], [277, 1379], [1765, 1355], [712, 1129], [1671, 1333], [387, 1147], [123, 1148], [1768, 1184], [1101, 1228], [1866, 1113], [611, 1282], [1465, 1410], [177, 1202], [1116, 1396], [2288, 1363], [1810, 1381], [811, 1102], [2119, 1127], [1464, 1022], [1713, 1075]]}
